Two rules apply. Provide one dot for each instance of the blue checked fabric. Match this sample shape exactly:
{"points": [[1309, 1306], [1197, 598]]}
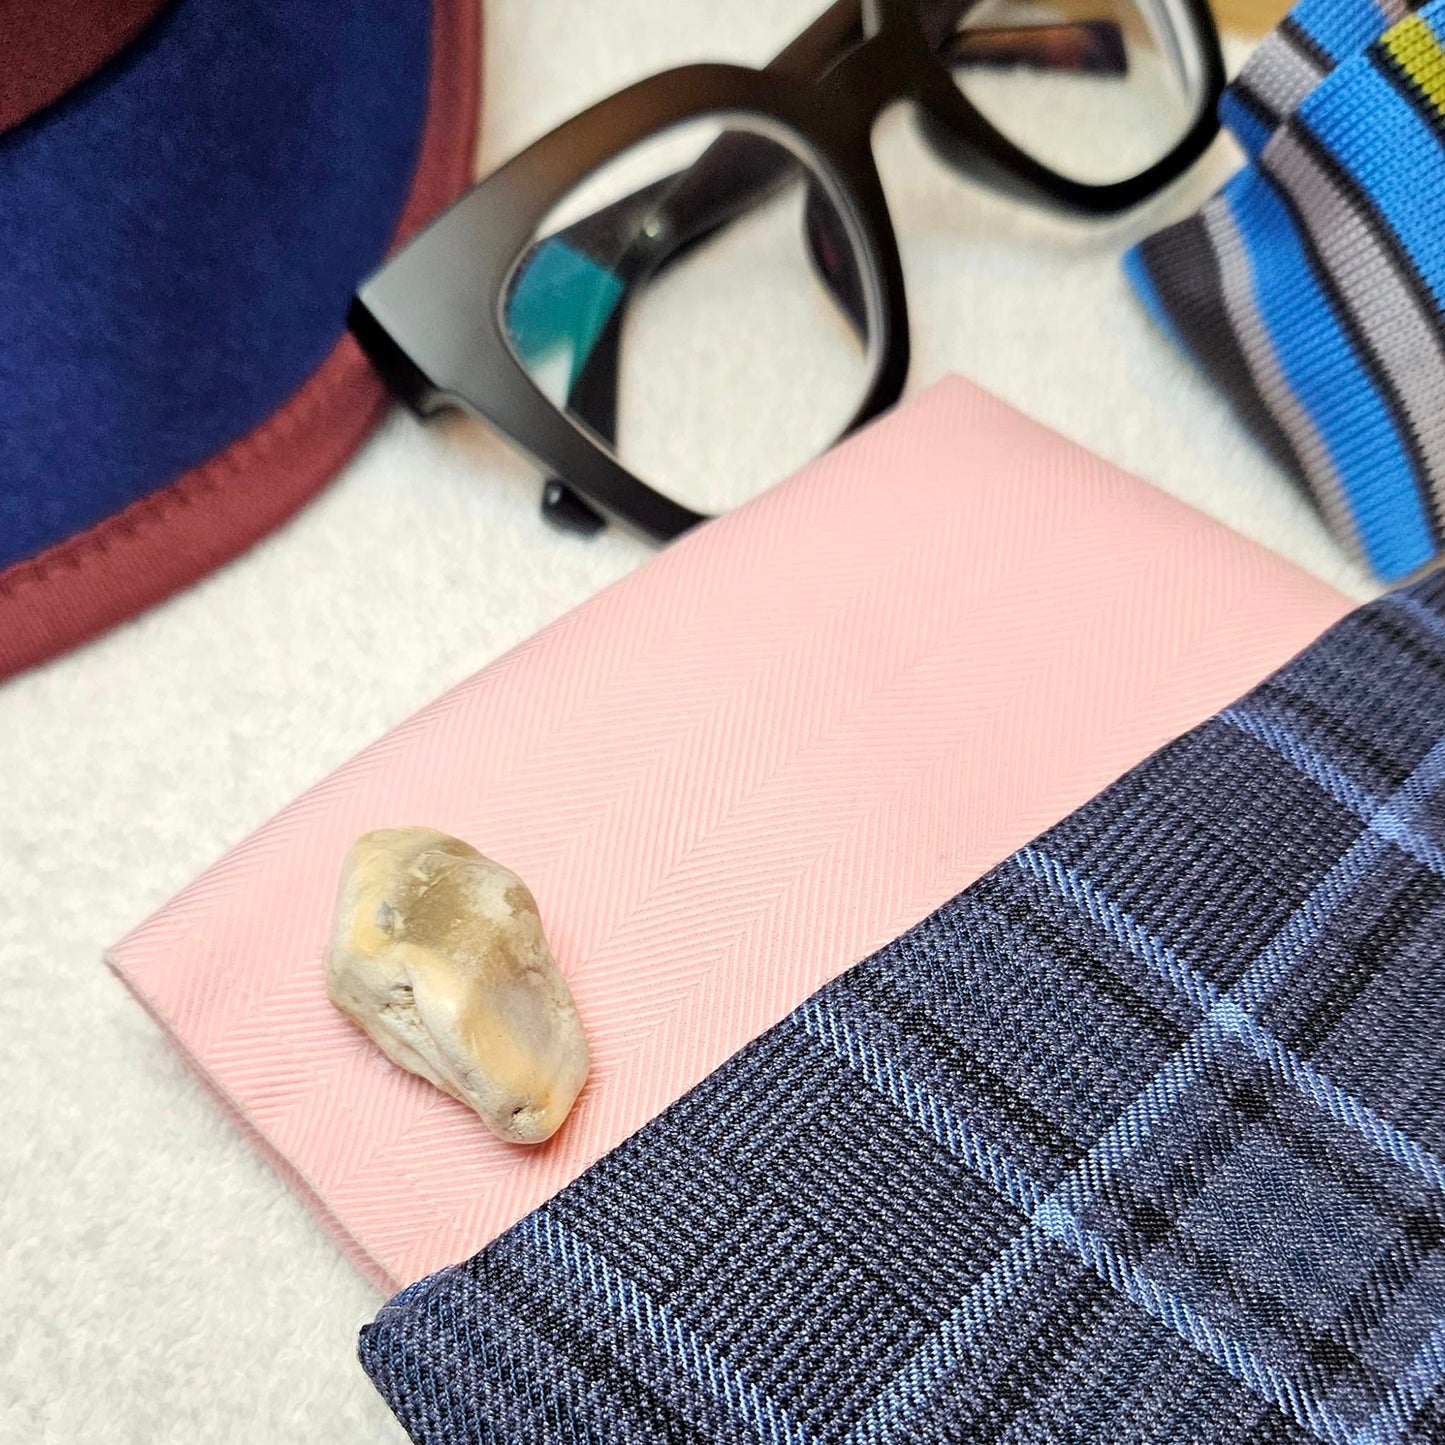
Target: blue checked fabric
{"points": [[1139, 1139], [1310, 289]]}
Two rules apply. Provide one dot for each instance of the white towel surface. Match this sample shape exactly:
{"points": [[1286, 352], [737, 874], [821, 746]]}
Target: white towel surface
{"points": [[160, 1282]]}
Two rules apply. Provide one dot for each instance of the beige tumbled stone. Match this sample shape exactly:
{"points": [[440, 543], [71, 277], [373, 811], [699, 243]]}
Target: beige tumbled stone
{"points": [[438, 953]]}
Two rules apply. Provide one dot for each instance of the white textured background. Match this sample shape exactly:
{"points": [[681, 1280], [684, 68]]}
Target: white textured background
{"points": [[158, 1282]]}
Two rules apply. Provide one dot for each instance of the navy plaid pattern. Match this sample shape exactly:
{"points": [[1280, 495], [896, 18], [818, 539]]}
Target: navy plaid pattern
{"points": [[1140, 1138]]}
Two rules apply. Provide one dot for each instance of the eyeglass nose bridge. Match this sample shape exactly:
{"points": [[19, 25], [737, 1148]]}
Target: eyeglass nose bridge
{"points": [[892, 63], [897, 62]]}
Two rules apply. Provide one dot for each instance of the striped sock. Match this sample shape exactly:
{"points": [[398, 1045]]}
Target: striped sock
{"points": [[1290, 61], [1310, 288]]}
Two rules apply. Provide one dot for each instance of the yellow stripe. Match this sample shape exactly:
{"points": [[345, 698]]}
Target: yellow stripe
{"points": [[1416, 51]]}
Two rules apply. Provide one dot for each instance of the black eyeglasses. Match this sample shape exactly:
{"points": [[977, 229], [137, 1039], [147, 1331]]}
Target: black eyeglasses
{"points": [[691, 288]]}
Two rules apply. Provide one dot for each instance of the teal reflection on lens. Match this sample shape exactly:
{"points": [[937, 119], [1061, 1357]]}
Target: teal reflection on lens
{"points": [[559, 304]]}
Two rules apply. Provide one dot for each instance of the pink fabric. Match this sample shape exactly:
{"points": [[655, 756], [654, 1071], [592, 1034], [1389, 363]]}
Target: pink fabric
{"points": [[756, 760]]}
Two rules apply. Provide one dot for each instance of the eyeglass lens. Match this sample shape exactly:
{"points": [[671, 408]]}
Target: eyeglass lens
{"points": [[1096, 90], [716, 252]]}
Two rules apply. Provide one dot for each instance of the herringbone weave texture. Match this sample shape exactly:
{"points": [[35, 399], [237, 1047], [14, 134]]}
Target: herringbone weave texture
{"points": [[1138, 1139], [754, 761]]}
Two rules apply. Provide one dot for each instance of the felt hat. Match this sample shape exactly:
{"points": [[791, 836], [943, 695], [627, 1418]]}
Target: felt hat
{"points": [[190, 191]]}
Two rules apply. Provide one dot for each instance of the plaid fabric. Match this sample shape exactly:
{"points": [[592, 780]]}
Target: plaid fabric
{"points": [[1311, 287], [1138, 1139]]}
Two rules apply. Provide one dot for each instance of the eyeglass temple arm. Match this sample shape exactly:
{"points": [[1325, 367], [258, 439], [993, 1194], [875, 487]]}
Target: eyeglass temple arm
{"points": [[1081, 47]]}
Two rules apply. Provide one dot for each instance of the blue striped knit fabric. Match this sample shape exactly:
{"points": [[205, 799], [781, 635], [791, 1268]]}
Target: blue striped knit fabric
{"points": [[1139, 1139], [1311, 287]]}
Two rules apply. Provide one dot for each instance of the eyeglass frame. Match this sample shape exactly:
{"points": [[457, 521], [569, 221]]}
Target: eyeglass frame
{"points": [[827, 89]]}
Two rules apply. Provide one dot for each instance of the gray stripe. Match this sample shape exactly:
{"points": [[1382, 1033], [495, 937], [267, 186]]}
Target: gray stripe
{"points": [[1237, 284], [1388, 312], [1279, 73], [1394, 10]]}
